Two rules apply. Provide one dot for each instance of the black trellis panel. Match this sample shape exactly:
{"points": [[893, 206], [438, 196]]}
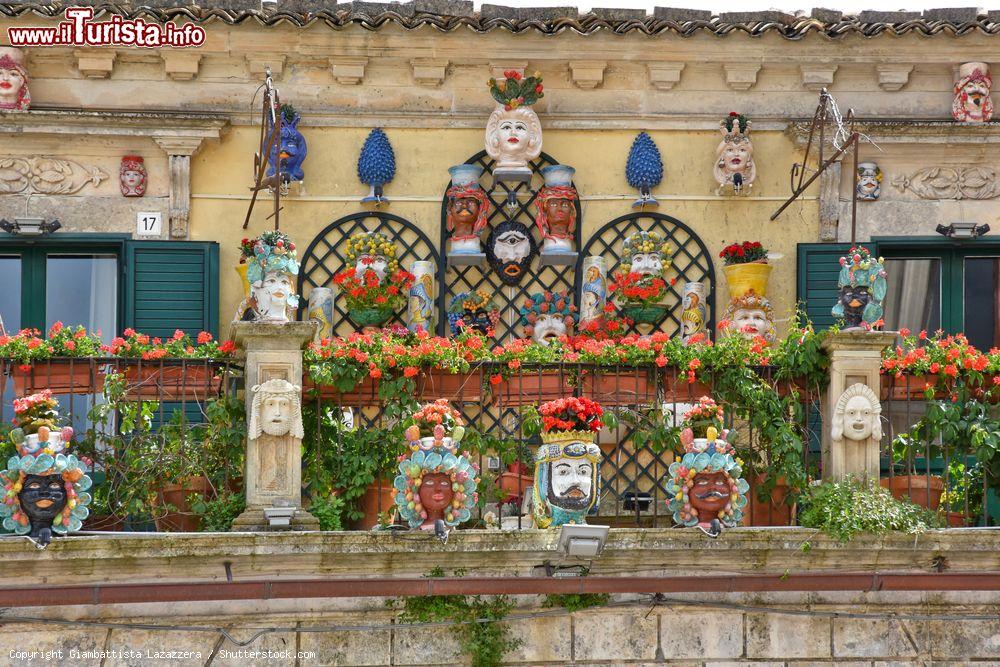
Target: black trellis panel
{"points": [[325, 256], [690, 260], [508, 298]]}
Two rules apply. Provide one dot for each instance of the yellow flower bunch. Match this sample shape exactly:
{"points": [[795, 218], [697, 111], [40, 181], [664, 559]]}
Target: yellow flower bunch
{"points": [[372, 243]]}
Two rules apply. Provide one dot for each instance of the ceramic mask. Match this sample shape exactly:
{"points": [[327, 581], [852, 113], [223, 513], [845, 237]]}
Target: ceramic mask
{"points": [[857, 415], [972, 102], [854, 300], [869, 181], [734, 164], [548, 328], [510, 249], [436, 494], [752, 322], [272, 295], [276, 415], [276, 409], [567, 479], [13, 80], [377, 263], [647, 263], [858, 419], [571, 483], [710, 493], [42, 498], [132, 176], [513, 137]]}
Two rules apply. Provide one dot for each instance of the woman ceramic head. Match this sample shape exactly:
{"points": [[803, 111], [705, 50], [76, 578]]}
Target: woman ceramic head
{"points": [[513, 137], [734, 165], [13, 80]]}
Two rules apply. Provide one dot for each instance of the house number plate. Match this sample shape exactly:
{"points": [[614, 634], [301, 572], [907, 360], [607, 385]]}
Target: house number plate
{"points": [[149, 223]]}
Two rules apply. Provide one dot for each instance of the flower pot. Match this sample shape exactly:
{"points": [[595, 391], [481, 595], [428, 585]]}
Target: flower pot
{"points": [[180, 518], [241, 269], [378, 497], [911, 387], [651, 314], [370, 317], [365, 394], [677, 389], [513, 486], [799, 385], [626, 387], [745, 277], [922, 490], [958, 519], [155, 382], [531, 388], [60, 376], [773, 510], [435, 383]]}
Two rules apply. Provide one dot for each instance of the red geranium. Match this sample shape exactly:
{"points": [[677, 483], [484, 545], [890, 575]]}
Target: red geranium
{"points": [[571, 414]]}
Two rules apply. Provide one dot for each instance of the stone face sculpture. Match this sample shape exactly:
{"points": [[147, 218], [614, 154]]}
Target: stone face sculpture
{"points": [[556, 206], [289, 155], [594, 291], [132, 176], [475, 311], [734, 169], [435, 482], [14, 94], [420, 311], [509, 250], [468, 209], [751, 316], [276, 410], [270, 273], [972, 102], [857, 415], [694, 314], [45, 486], [548, 316], [869, 181], [863, 286], [513, 132]]}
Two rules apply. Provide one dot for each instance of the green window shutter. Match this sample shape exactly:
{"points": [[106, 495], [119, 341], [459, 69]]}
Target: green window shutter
{"points": [[816, 280], [172, 285]]}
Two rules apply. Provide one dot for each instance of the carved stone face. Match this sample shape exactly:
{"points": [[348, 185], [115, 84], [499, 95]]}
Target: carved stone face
{"points": [[647, 263], [869, 187], [548, 328], [11, 83], [271, 295], [854, 299], [377, 263], [42, 498], [709, 494], [276, 415], [436, 494], [858, 418], [513, 137], [464, 213], [752, 322], [571, 486], [560, 215]]}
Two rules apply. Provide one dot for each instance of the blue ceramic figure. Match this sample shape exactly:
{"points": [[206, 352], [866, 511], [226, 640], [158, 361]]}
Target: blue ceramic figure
{"points": [[291, 152], [376, 165], [644, 169]]}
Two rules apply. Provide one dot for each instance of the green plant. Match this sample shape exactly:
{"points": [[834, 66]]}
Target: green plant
{"points": [[955, 427], [218, 513], [330, 511], [845, 508], [965, 491], [576, 601]]}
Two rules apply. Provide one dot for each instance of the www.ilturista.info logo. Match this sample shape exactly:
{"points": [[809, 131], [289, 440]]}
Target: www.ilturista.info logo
{"points": [[80, 30]]}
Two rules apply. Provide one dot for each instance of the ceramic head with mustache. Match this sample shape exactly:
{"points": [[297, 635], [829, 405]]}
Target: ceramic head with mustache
{"points": [[567, 478], [509, 250], [972, 103], [707, 483]]}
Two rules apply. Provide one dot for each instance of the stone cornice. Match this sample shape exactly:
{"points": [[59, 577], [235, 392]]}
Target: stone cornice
{"points": [[899, 131], [194, 126]]}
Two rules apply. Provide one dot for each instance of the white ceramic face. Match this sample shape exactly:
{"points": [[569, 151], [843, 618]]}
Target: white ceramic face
{"points": [[276, 415], [514, 136], [736, 156], [132, 178], [976, 94], [548, 328], [858, 415], [11, 82], [868, 185], [377, 263], [511, 246], [272, 295], [751, 322], [647, 263], [572, 479]]}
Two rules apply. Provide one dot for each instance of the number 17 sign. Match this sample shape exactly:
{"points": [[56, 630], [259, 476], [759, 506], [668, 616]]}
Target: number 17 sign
{"points": [[149, 223]]}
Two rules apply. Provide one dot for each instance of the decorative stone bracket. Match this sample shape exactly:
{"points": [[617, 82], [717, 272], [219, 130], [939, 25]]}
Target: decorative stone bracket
{"points": [[259, 63], [587, 74], [180, 65], [497, 69], [892, 77], [816, 76], [429, 71], [179, 152], [664, 76], [95, 63], [741, 76], [348, 70]]}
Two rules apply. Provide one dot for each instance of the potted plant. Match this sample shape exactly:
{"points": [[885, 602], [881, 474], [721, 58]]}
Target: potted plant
{"points": [[373, 285], [962, 501], [514, 385], [746, 268], [177, 369], [627, 366], [640, 295], [62, 362]]}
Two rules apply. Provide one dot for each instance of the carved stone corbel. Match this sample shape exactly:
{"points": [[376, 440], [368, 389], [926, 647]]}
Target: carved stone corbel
{"points": [[741, 76], [348, 70], [180, 65], [664, 76], [429, 71], [95, 63], [587, 74], [892, 77], [179, 151]]}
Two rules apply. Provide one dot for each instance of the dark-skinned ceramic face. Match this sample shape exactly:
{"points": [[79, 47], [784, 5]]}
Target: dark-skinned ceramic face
{"points": [[436, 494], [478, 320], [42, 498], [710, 494], [854, 299], [559, 214], [464, 212]]}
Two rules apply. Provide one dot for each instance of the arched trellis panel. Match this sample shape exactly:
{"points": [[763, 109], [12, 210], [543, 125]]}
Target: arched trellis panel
{"points": [[326, 255], [690, 260], [458, 279]]}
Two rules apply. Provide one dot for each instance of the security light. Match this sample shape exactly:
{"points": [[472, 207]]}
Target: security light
{"points": [[963, 230], [29, 226], [279, 517], [581, 540]]}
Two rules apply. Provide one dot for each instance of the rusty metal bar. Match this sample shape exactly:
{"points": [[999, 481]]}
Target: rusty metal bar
{"points": [[97, 594]]}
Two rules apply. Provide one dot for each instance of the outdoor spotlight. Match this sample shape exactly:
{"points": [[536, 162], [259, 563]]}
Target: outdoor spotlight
{"points": [[279, 517], [963, 231], [582, 540], [30, 226]]}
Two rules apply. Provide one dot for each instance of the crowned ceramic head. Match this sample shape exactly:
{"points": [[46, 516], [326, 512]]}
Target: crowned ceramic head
{"points": [[271, 273], [473, 311], [751, 316], [14, 93], [869, 181], [972, 103], [468, 209], [548, 316], [513, 132], [556, 209], [645, 253], [734, 169], [132, 176], [863, 287]]}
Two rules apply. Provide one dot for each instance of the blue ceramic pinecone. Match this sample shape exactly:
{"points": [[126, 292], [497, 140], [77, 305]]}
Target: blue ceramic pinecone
{"points": [[377, 163], [644, 168]]}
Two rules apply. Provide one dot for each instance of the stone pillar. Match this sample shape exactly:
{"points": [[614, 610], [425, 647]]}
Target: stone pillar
{"points": [[179, 151], [852, 411], [273, 475]]}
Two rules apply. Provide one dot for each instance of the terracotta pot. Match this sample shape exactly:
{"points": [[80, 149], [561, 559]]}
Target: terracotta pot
{"points": [[532, 388], [772, 511], [910, 387], [958, 519], [745, 277], [378, 497], [365, 394], [154, 382], [514, 486], [61, 377], [676, 388], [806, 391], [435, 383], [181, 519], [916, 489], [627, 387]]}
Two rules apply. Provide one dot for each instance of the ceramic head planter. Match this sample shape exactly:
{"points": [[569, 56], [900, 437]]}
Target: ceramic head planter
{"points": [[473, 311], [639, 286], [45, 486], [372, 251], [644, 169], [435, 482], [376, 165], [288, 156], [468, 209], [972, 102], [734, 169], [513, 132], [869, 185], [751, 316], [509, 250], [556, 206], [548, 316], [14, 93], [568, 463], [706, 488], [271, 273], [132, 176], [857, 415], [276, 410], [863, 286], [373, 285], [645, 253]]}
